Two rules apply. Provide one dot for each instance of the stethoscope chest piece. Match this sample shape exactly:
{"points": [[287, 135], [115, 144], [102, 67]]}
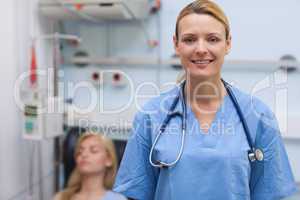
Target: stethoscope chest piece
{"points": [[259, 155], [256, 155]]}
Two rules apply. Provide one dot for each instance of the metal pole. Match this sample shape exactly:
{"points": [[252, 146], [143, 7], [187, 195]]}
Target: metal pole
{"points": [[56, 63]]}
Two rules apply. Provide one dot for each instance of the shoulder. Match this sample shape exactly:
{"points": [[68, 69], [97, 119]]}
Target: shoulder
{"points": [[158, 105], [154, 110], [58, 196], [111, 195], [255, 110], [250, 103], [160, 101], [149, 117]]}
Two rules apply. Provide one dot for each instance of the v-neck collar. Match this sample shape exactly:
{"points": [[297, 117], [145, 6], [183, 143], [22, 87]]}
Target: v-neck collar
{"points": [[220, 114]]}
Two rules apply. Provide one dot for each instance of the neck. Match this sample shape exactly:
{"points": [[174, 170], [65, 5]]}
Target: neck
{"points": [[93, 184], [204, 91]]}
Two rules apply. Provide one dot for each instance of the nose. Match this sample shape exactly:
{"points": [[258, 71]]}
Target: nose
{"points": [[84, 154], [201, 47]]}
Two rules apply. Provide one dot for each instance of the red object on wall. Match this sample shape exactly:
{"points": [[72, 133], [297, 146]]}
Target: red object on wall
{"points": [[156, 6], [78, 6], [33, 66]]}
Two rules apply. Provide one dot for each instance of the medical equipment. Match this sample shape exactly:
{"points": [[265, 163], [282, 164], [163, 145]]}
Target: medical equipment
{"points": [[33, 66], [254, 154], [42, 106], [118, 80], [42, 118], [95, 10]]}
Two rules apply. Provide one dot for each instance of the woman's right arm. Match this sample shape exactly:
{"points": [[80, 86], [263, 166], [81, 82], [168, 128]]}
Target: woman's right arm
{"points": [[136, 178]]}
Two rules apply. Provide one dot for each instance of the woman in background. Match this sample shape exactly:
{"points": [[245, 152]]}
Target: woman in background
{"points": [[95, 171]]}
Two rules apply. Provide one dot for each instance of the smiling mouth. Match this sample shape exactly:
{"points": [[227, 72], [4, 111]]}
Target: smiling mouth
{"points": [[202, 62]]}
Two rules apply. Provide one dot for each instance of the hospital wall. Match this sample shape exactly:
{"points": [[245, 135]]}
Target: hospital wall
{"points": [[254, 38], [8, 114], [26, 167]]}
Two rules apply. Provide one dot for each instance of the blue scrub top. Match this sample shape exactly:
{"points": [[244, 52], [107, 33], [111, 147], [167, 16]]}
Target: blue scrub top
{"points": [[213, 165]]}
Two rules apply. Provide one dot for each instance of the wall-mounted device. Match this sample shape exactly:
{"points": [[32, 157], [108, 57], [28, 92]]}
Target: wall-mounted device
{"points": [[97, 78], [118, 79], [288, 63], [95, 9], [42, 120]]}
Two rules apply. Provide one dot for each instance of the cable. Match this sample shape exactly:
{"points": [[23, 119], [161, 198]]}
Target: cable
{"points": [[31, 170], [40, 170]]}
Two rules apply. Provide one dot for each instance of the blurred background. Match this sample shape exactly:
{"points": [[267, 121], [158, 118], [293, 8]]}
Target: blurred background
{"points": [[70, 65]]}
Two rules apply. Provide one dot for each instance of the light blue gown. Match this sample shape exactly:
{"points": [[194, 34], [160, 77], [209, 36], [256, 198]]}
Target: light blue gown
{"points": [[109, 195], [213, 166]]}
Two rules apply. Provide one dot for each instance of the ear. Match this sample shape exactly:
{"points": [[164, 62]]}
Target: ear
{"points": [[175, 43], [228, 45]]}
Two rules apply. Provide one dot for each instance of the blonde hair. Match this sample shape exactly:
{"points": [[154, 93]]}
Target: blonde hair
{"points": [[206, 7], [74, 183]]}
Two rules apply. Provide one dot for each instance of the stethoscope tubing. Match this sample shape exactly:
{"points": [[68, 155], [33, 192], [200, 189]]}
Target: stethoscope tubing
{"points": [[251, 153], [170, 114], [240, 114]]}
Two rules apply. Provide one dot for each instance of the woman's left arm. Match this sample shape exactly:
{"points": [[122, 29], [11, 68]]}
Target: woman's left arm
{"points": [[272, 178]]}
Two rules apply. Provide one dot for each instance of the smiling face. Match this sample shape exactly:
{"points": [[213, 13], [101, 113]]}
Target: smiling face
{"points": [[92, 157], [201, 45]]}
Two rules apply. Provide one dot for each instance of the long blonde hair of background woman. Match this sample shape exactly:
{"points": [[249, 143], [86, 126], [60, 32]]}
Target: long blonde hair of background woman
{"points": [[74, 183]]}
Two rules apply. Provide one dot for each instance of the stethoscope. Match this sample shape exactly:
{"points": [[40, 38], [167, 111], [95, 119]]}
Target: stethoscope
{"points": [[254, 154]]}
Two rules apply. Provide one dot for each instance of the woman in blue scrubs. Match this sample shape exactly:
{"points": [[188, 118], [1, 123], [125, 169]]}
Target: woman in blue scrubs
{"points": [[214, 164]]}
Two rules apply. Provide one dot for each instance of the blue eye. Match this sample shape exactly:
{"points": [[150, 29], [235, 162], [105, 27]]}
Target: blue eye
{"points": [[213, 39], [188, 40]]}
